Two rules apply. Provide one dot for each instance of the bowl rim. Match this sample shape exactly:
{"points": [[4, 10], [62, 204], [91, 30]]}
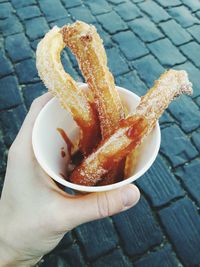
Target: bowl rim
{"points": [[84, 188]]}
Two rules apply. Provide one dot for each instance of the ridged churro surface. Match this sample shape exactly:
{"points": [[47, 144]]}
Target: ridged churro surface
{"points": [[87, 46], [62, 85]]}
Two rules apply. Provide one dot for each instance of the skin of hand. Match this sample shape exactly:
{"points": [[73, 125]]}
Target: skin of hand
{"points": [[34, 212]]}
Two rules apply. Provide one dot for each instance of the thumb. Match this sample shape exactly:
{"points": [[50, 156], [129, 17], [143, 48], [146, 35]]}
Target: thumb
{"points": [[99, 205]]}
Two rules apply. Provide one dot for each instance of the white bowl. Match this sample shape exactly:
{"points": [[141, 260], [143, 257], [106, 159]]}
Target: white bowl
{"points": [[47, 142]]}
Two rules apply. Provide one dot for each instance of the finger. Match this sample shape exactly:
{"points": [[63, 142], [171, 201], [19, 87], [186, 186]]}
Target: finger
{"points": [[25, 132], [99, 205]]}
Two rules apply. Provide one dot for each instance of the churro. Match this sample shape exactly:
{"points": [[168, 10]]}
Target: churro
{"points": [[170, 85], [110, 151], [86, 44], [62, 85]]}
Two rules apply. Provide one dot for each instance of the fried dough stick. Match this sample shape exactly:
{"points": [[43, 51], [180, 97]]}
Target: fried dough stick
{"points": [[170, 85], [61, 84], [87, 46]]}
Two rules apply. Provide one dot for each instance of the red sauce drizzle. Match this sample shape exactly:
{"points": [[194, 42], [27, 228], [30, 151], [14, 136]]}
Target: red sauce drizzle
{"points": [[67, 141], [76, 158]]}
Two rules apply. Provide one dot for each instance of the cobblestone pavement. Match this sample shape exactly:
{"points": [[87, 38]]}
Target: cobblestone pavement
{"points": [[142, 38]]}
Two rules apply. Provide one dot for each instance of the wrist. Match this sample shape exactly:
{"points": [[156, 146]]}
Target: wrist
{"points": [[10, 256]]}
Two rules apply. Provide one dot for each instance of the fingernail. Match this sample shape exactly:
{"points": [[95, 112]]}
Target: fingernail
{"points": [[130, 195]]}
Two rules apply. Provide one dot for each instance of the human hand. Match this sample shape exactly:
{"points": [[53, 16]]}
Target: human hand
{"points": [[34, 213]]}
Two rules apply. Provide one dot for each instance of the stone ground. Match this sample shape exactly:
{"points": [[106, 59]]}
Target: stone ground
{"points": [[142, 39]]}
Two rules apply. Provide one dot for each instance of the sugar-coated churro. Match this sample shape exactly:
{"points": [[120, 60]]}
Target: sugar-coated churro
{"points": [[62, 85], [170, 85], [87, 46]]}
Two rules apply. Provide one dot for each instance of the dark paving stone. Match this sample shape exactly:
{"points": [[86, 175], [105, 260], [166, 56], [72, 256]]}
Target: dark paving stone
{"points": [[10, 25], [99, 241], [196, 139], [194, 5], [31, 91], [159, 49], [156, 12], [183, 16], [165, 118], [163, 257], [189, 51], [128, 11], [186, 112], [35, 43], [21, 3], [116, 63], [99, 6], [149, 69], [80, 77], [159, 184], [194, 75], [175, 32], [28, 12], [137, 1], [26, 71], [169, 3], [52, 261], [52, 10], [195, 31], [182, 223], [61, 22], [132, 82], [198, 14], [176, 146], [189, 174], [9, 93], [104, 36], [130, 45], [116, 2], [36, 28], [64, 243], [11, 121], [137, 229], [72, 58], [5, 10], [82, 13], [112, 22], [70, 257], [6, 67], [146, 29], [114, 259], [197, 100], [68, 66], [2, 155], [69, 3], [1, 182], [18, 47]]}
